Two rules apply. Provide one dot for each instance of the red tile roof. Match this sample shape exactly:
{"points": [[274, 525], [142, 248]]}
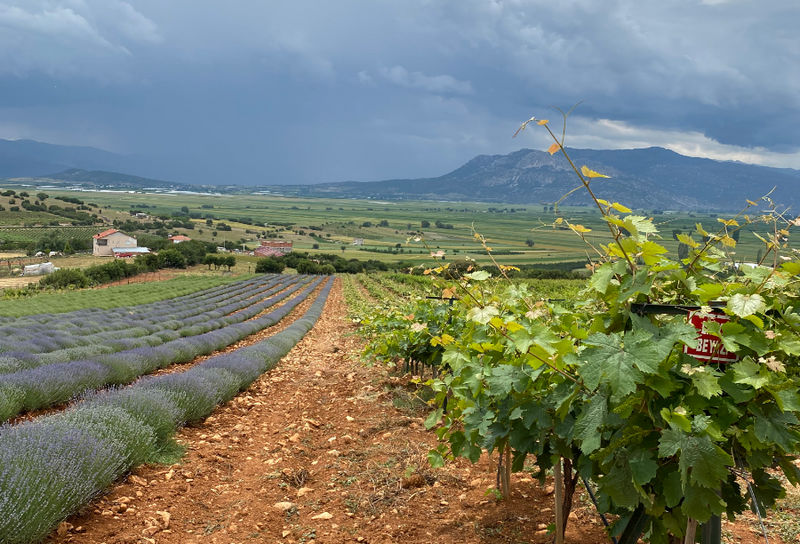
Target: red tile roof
{"points": [[105, 233], [180, 237]]}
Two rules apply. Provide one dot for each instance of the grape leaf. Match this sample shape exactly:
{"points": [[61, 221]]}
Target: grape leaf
{"points": [[618, 360], [706, 460], [589, 422], [744, 305], [788, 400], [772, 425], [478, 275], [618, 484], [700, 503], [482, 315], [643, 467], [750, 373], [591, 173], [707, 384]]}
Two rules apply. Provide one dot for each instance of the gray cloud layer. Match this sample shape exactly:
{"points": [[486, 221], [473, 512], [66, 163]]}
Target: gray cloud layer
{"points": [[310, 90]]}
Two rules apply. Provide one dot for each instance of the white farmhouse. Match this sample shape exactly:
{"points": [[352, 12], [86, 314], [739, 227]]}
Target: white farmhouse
{"points": [[103, 244]]}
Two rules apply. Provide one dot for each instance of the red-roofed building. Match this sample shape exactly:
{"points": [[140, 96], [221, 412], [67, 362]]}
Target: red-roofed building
{"points": [[267, 252], [178, 238], [273, 248], [103, 243]]}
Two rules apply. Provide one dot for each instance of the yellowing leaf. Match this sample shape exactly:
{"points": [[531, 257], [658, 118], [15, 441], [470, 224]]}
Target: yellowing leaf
{"points": [[619, 207], [559, 220], [751, 203], [580, 228], [728, 241], [542, 122], [728, 222], [513, 326], [603, 202], [687, 240], [591, 173], [448, 293], [497, 323], [700, 229], [553, 148], [447, 339]]}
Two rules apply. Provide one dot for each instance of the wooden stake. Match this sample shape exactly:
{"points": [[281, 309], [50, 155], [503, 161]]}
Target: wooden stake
{"points": [[691, 529], [508, 469], [559, 496]]}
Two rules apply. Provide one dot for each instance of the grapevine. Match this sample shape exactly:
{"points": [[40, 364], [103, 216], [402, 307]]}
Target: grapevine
{"points": [[605, 391]]}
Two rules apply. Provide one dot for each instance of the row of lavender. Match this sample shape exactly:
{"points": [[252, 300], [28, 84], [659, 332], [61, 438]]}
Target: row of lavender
{"points": [[51, 467], [21, 352], [97, 316], [43, 333], [43, 386]]}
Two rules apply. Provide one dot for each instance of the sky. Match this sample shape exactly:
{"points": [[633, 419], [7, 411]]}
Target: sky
{"points": [[308, 91]]}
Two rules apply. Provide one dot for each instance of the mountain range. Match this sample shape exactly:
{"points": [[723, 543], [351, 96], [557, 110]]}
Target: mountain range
{"points": [[640, 178]]}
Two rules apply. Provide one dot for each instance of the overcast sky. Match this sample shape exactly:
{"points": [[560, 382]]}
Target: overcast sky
{"points": [[303, 91]]}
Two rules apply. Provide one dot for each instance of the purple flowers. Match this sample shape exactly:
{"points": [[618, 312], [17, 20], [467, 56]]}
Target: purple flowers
{"points": [[53, 465]]}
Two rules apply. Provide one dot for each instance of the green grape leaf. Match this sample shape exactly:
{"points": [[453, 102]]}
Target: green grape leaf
{"points": [[618, 484], [740, 394], [478, 275], [435, 459], [706, 460], [618, 360], [751, 373], [788, 400], [707, 384], [503, 379], [536, 414], [708, 291], [651, 251], [643, 466], [701, 503], [601, 278], [482, 315], [589, 422], [433, 418], [772, 425], [744, 305], [673, 490]]}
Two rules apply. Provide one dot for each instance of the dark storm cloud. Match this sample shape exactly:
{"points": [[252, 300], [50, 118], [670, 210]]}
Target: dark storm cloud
{"points": [[306, 91]]}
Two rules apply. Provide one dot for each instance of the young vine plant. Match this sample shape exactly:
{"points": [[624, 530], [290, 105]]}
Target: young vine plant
{"points": [[607, 389]]}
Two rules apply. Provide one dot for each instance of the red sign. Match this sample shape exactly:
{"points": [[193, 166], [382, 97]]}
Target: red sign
{"points": [[709, 347]]}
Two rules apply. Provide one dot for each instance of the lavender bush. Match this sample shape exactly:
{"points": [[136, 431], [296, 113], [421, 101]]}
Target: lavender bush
{"points": [[52, 466]]}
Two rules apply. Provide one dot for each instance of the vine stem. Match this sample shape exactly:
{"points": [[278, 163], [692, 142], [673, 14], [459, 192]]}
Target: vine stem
{"points": [[616, 234]]}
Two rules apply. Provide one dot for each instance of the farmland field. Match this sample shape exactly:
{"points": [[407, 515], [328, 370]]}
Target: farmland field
{"points": [[30, 234], [340, 221]]}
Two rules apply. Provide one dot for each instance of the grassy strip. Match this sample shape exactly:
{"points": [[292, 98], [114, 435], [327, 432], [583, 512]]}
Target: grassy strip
{"points": [[51, 467], [112, 297]]}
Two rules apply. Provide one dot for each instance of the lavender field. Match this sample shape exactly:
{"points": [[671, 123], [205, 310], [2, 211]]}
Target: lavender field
{"points": [[119, 416]]}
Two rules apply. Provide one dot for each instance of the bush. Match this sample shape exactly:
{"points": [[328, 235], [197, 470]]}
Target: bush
{"points": [[65, 278], [172, 258], [307, 267], [327, 269], [270, 265]]}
